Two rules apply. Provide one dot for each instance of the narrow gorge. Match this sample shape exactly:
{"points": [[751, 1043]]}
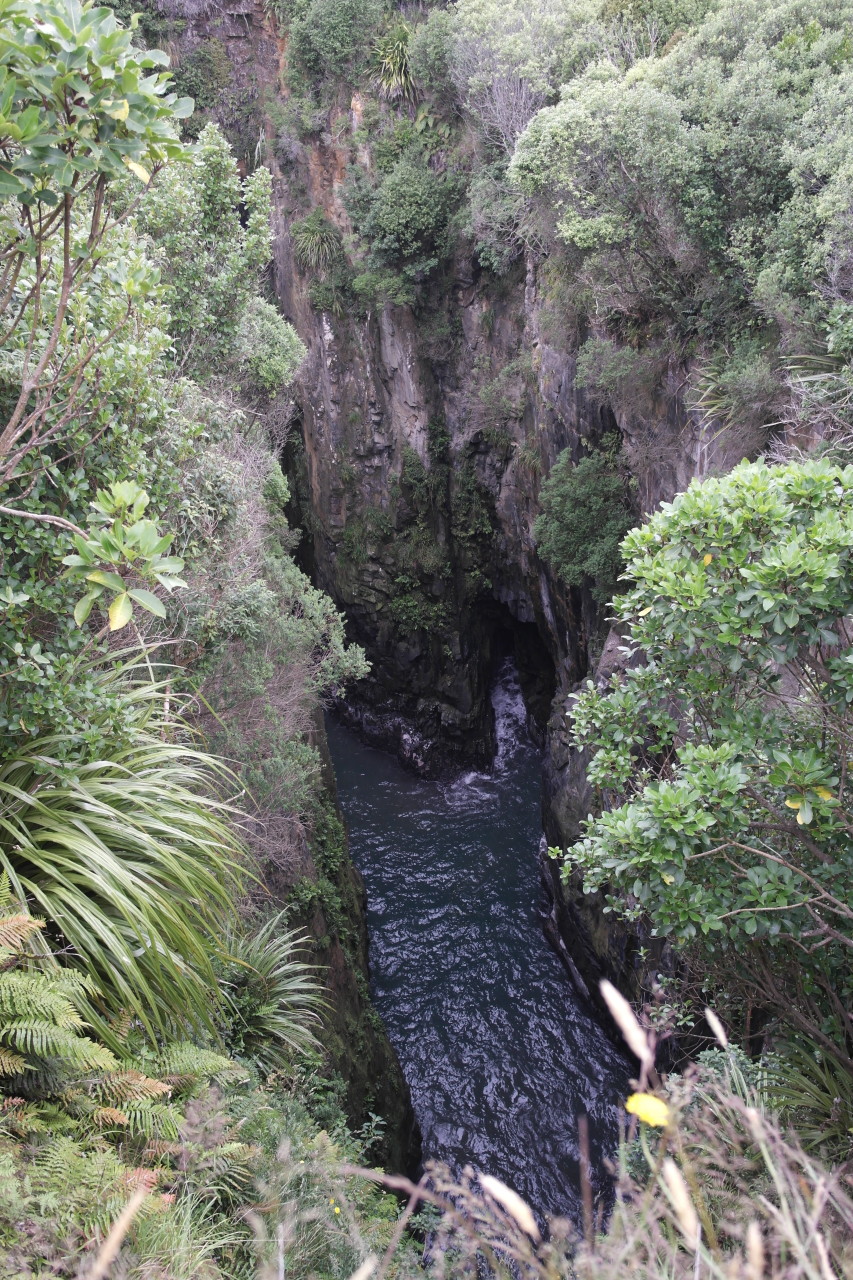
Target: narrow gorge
{"points": [[417, 439], [426, 609]]}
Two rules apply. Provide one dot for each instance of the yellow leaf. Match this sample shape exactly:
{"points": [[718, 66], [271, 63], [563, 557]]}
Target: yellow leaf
{"points": [[119, 110], [643, 612], [824, 793], [121, 611], [801, 821], [708, 559], [793, 804], [649, 1109], [142, 174], [667, 879]]}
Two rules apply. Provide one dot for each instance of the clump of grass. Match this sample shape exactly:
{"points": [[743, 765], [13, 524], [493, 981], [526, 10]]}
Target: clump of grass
{"points": [[393, 72], [316, 243]]}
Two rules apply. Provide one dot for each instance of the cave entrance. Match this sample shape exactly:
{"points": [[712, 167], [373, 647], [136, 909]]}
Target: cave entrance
{"points": [[537, 673]]}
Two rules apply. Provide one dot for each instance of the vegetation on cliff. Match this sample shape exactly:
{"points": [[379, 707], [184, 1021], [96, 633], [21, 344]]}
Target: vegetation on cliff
{"points": [[161, 1021], [678, 170]]}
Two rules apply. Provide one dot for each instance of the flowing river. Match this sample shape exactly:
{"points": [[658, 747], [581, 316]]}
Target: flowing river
{"points": [[500, 1052]]}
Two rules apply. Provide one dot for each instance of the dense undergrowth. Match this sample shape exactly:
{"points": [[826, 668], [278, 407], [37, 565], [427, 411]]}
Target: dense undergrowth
{"points": [[670, 169], [162, 1021]]}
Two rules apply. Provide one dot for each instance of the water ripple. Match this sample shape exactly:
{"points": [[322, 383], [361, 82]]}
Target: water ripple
{"points": [[500, 1053]]}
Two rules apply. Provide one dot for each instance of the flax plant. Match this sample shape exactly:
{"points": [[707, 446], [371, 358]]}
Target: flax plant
{"points": [[127, 849]]}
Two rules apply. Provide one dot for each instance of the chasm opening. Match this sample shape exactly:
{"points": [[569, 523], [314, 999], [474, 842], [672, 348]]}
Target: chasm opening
{"points": [[500, 1052]]}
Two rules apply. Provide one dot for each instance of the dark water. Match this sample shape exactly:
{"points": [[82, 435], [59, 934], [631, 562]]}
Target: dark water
{"points": [[499, 1051]]}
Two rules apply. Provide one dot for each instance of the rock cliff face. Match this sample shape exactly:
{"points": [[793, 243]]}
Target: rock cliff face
{"points": [[324, 889], [416, 462]]}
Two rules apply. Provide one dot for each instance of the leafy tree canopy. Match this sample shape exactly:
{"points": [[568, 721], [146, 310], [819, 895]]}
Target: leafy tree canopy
{"points": [[721, 756]]}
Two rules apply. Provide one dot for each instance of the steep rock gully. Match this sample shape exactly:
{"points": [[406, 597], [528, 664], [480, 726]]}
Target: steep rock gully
{"points": [[499, 1050]]}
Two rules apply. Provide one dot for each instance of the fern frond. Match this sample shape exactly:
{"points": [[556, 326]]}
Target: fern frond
{"points": [[129, 1086], [23, 1117], [159, 1148], [108, 1117], [34, 995], [139, 1176], [16, 929], [185, 1066], [11, 1064], [44, 1040], [122, 1024], [153, 1120]]}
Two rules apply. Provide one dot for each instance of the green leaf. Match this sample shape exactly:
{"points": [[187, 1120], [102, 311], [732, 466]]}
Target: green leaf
{"points": [[105, 579], [148, 601], [168, 564], [169, 583], [83, 607]]}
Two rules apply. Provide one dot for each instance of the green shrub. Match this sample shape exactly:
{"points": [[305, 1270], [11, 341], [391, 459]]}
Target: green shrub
{"points": [[585, 516], [331, 38], [429, 54], [505, 396], [269, 347], [497, 216], [332, 294], [412, 612], [614, 373], [721, 757], [391, 142], [742, 390], [372, 288], [407, 218]]}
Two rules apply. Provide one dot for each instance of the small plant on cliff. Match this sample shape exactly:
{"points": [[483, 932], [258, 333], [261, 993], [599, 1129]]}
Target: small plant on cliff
{"points": [[393, 74], [585, 516], [273, 998], [316, 243]]}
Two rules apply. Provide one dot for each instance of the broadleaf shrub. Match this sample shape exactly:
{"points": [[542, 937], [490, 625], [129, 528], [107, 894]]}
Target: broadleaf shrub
{"points": [[585, 515]]}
